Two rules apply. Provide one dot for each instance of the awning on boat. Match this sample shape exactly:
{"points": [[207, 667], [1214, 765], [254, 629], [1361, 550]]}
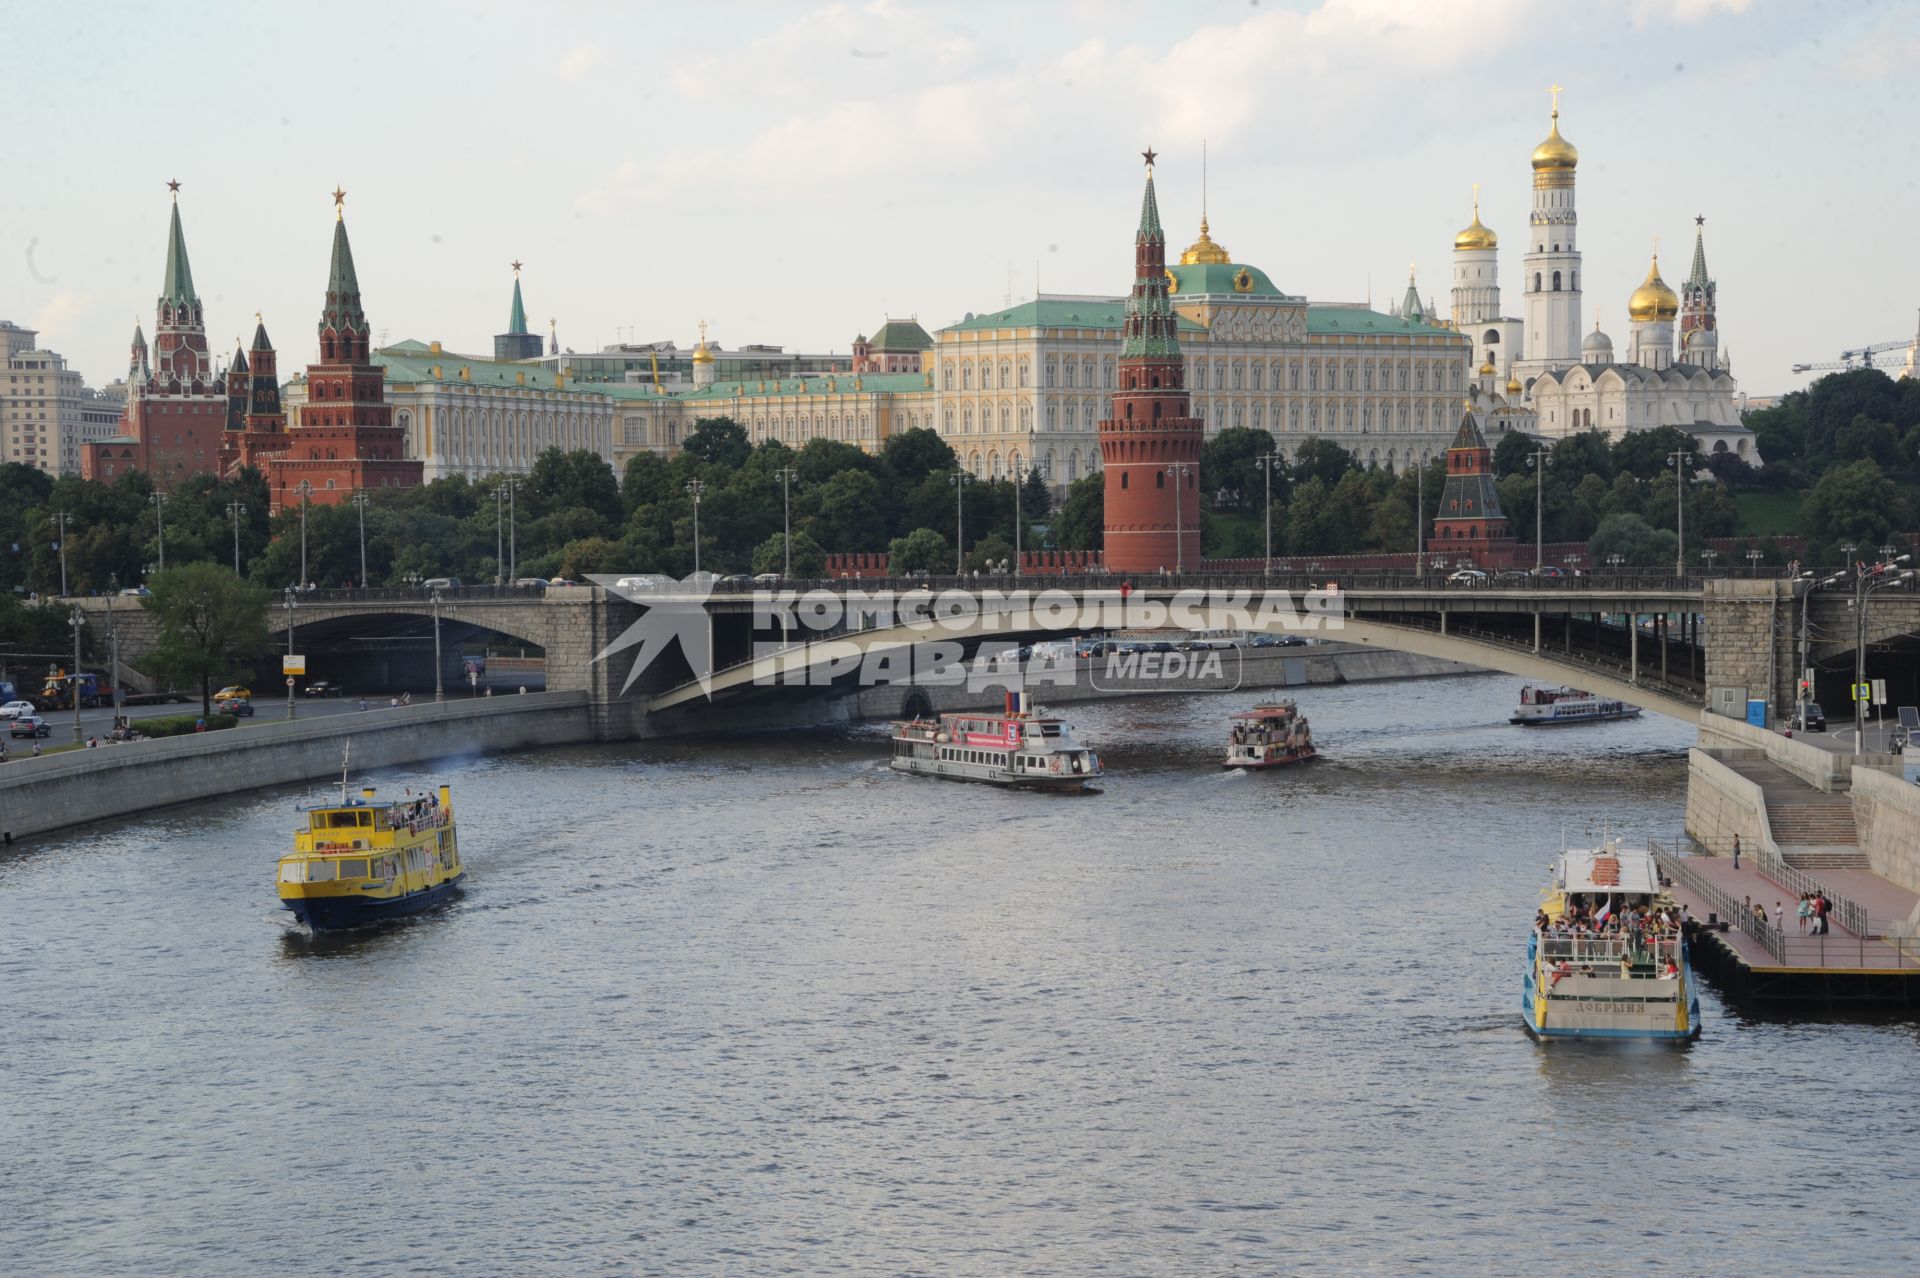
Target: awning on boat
{"points": [[1606, 870]]}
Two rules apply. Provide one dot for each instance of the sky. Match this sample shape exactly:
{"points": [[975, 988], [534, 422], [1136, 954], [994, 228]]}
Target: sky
{"points": [[795, 173]]}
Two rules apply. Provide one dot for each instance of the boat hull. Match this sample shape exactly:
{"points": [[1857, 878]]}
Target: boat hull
{"points": [[1653, 1020], [339, 913], [1261, 765], [940, 770], [1598, 716]]}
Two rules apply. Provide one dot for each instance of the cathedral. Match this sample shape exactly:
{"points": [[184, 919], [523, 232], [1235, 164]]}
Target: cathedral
{"points": [[1540, 372]]}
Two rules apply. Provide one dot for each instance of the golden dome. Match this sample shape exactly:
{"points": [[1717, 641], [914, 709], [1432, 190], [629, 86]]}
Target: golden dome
{"points": [[701, 355], [1556, 152], [1487, 369], [1476, 235], [1513, 384], [1653, 300], [1203, 251]]}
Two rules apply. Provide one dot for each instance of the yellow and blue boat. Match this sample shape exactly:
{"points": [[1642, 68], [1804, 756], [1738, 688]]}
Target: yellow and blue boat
{"points": [[365, 860]]}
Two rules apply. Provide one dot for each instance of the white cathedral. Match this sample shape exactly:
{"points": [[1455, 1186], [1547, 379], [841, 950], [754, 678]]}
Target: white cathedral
{"points": [[1539, 373]]}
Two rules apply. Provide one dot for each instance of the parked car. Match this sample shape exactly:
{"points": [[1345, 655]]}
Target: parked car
{"points": [[1551, 571], [1264, 641], [1810, 718], [1294, 641], [239, 707], [1467, 577], [233, 692], [1515, 575], [14, 709], [1096, 648], [323, 688], [29, 725]]}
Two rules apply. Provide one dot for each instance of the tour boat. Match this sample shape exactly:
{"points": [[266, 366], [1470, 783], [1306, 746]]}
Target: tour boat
{"points": [[1016, 748], [362, 860], [1541, 707], [1586, 979], [1269, 736]]}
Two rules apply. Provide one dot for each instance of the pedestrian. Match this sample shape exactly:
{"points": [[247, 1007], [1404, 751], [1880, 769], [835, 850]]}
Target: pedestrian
{"points": [[1736, 851], [36, 749], [93, 743], [1805, 911], [1823, 910], [1779, 915], [363, 703], [523, 689]]}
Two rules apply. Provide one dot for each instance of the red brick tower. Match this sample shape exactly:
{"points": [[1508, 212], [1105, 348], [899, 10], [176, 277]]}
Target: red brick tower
{"points": [[1470, 522], [1150, 447], [256, 425], [346, 440]]}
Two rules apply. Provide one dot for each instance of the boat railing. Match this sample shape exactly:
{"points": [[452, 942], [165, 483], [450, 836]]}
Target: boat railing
{"points": [[1607, 949]]}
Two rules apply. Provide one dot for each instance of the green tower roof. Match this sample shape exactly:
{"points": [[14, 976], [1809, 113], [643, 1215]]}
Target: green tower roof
{"points": [[177, 284], [517, 321]]}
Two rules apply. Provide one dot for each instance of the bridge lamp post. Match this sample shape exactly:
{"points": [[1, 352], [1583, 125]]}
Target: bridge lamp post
{"points": [[1863, 590], [500, 536], [1615, 560], [305, 489], [291, 711], [1538, 461], [1176, 472], [62, 520], [439, 689], [1266, 462], [159, 503], [1018, 483], [359, 499], [1680, 460], [513, 487], [234, 511], [696, 487], [959, 479], [788, 476], [77, 619], [113, 659], [1847, 548], [1708, 556], [1753, 559]]}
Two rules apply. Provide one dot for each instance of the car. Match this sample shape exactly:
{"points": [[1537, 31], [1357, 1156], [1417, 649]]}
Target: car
{"points": [[440, 583], [1551, 571], [1514, 575], [528, 583], [323, 688], [1294, 641], [562, 581], [1467, 577], [136, 592], [1157, 645], [1264, 641], [14, 709], [29, 725], [767, 579], [239, 707], [733, 581], [233, 692], [1810, 718]]}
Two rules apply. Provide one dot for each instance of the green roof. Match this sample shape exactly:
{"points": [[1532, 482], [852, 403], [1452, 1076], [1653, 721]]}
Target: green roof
{"points": [[1223, 277], [412, 361], [749, 388], [1352, 319], [177, 284], [901, 335], [1054, 312], [1149, 213], [517, 321]]}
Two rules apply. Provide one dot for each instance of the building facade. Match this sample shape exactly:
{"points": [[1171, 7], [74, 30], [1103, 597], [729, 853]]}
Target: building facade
{"points": [[48, 415]]}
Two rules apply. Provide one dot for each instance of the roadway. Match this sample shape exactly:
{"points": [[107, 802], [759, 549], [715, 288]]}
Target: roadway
{"points": [[100, 722]]}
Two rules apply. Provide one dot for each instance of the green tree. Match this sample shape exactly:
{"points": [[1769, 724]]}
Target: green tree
{"points": [[1866, 439], [809, 560], [1780, 430], [1645, 453], [208, 623], [989, 553], [922, 550], [717, 441], [914, 454], [1630, 536], [648, 479], [1082, 522], [1313, 527], [1229, 469], [1036, 497], [1321, 459], [1836, 400], [852, 513], [1511, 455], [1855, 503]]}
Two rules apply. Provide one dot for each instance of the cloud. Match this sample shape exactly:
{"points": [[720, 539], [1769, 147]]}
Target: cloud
{"points": [[578, 62], [59, 320], [1647, 12]]}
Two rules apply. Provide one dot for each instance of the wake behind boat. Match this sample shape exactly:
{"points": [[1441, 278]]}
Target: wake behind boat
{"points": [[1551, 707], [1607, 957]]}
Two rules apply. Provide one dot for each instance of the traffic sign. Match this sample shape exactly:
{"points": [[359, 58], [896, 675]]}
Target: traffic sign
{"points": [[293, 664], [1880, 692]]}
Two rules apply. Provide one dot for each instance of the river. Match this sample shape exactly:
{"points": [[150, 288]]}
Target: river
{"points": [[763, 1006]]}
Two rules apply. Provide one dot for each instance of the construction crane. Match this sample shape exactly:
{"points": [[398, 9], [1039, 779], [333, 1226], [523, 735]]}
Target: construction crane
{"points": [[1878, 355]]}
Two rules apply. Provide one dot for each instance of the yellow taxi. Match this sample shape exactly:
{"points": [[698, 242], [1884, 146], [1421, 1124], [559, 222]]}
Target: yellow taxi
{"points": [[233, 692]]}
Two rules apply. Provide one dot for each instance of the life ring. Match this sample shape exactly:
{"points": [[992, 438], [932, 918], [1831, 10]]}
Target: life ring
{"points": [[1056, 763]]}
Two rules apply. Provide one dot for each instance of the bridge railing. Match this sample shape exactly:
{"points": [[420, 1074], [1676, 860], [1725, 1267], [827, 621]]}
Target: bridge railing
{"points": [[1611, 581]]}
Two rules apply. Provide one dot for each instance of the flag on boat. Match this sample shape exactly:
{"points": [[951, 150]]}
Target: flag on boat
{"points": [[1605, 912]]}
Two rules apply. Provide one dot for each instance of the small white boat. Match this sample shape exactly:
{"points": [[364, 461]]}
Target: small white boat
{"points": [[1548, 707]]}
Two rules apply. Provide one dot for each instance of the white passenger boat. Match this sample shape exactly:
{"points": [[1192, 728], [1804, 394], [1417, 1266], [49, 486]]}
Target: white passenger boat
{"points": [[1607, 957], [1013, 748], [1541, 707], [1271, 735]]}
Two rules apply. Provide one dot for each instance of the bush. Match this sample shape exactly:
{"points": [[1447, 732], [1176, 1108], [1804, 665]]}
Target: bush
{"points": [[181, 725]]}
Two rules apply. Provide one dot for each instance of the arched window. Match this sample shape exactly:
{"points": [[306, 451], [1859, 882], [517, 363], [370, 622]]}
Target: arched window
{"points": [[1556, 281], [966, 420], [1159, 479], [1536, 281], [946, 418], [1026, 373], [1123, 479], [946, 376], [966, 376]]}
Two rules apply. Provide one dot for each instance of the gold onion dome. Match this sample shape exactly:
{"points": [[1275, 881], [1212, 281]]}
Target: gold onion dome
{"points": [[1556, 152], [1487, 369], [702, 354], [1513, 384], [1203, 251], [1476, 235], [1653, 300]]}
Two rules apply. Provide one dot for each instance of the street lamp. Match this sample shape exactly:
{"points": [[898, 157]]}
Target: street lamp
{"points": [[77, 619], [1538, 460], [499, 535], [291, 711], [696, 487], [359, 499], [1863, 589], [159, 501], [61, 520], [1615, 560], [1176, 472], [1680, 460], [788, 476], [439, 689], [305, 489], [1753, 559], [513, 531], [1266, 462], [1708, 556], [959, 479], [234, 511]]}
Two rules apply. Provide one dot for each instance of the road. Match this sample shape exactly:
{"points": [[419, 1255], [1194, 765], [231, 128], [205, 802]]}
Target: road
{"points": [[100, 722]]}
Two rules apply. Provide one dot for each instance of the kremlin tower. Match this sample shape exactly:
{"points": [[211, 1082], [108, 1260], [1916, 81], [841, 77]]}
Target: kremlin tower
{"points": [[1470, 522], [346, 440], [516, 343], [1150, 447], [256, 424]]}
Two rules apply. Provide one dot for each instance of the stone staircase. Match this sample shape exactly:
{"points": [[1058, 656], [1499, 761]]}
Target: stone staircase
{"points": [[1816, 833]]}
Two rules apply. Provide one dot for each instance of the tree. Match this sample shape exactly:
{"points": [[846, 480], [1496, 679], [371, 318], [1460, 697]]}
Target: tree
{"points": [[1082, 523], [1632, 538], [1864, 438], [809, 560], [1230, 471], [1855, 503], [1836, 400], [1036, 497], [577, 480], [648, 479], [1645, 453], [922, 550], [989, 553], [1312, 528], [852, 513], [914, 454], [1510, 456], [1780, 431], [718, 441], [1321, 459], [208, 622]]}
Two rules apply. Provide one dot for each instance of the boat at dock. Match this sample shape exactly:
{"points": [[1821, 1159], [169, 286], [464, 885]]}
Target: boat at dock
{"points": [[1551, 707], [365, 860], [1017, 748], [1271, 735], [1607, 957]]}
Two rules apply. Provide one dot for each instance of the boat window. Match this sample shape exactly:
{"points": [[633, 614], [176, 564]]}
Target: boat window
{"points": [[290, 873], [364, 818], [353, 869], [319, 871]]}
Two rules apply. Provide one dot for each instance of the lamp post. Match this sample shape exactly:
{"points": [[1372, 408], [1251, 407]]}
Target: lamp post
{"points": [[1615, 560], [291, 711], [513, 530], [1863, 589], [788, 477], [696, 487], [1708, 556], [1419, 512], [1680, 460], [1753, 560], [1804, 684], [500, 536], [77, 619], [439, 689], [234, 511], [305, 489], [113, 659], [159, 503], [1018, 484], [1266, 463], [359, 499], [61, 520], [1537, 461], [959, 479], [1176, 472]]}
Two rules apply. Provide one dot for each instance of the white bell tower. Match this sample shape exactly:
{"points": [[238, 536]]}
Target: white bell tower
{"points": [[1552, 283]]}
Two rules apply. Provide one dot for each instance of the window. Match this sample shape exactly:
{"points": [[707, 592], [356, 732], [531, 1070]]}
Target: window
{"points": [[1556, 281], [1159, 479], [1536, 281], [1123, 479]]}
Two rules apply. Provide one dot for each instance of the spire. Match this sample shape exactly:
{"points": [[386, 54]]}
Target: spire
{"points": [[1149, 207], [342, 313], [139, 338], [177, 284], [260, 342], [553, 337], [1149, 330], [239, 358], [341, 279], [517, 319], [1697, 277], [1410, 307]]}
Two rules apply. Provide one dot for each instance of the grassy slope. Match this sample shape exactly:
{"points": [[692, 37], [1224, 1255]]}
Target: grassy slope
{"points": [[1768, 514]]}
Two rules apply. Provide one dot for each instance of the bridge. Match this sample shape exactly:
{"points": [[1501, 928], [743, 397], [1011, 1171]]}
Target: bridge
{"points": [[1670, 645]]}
